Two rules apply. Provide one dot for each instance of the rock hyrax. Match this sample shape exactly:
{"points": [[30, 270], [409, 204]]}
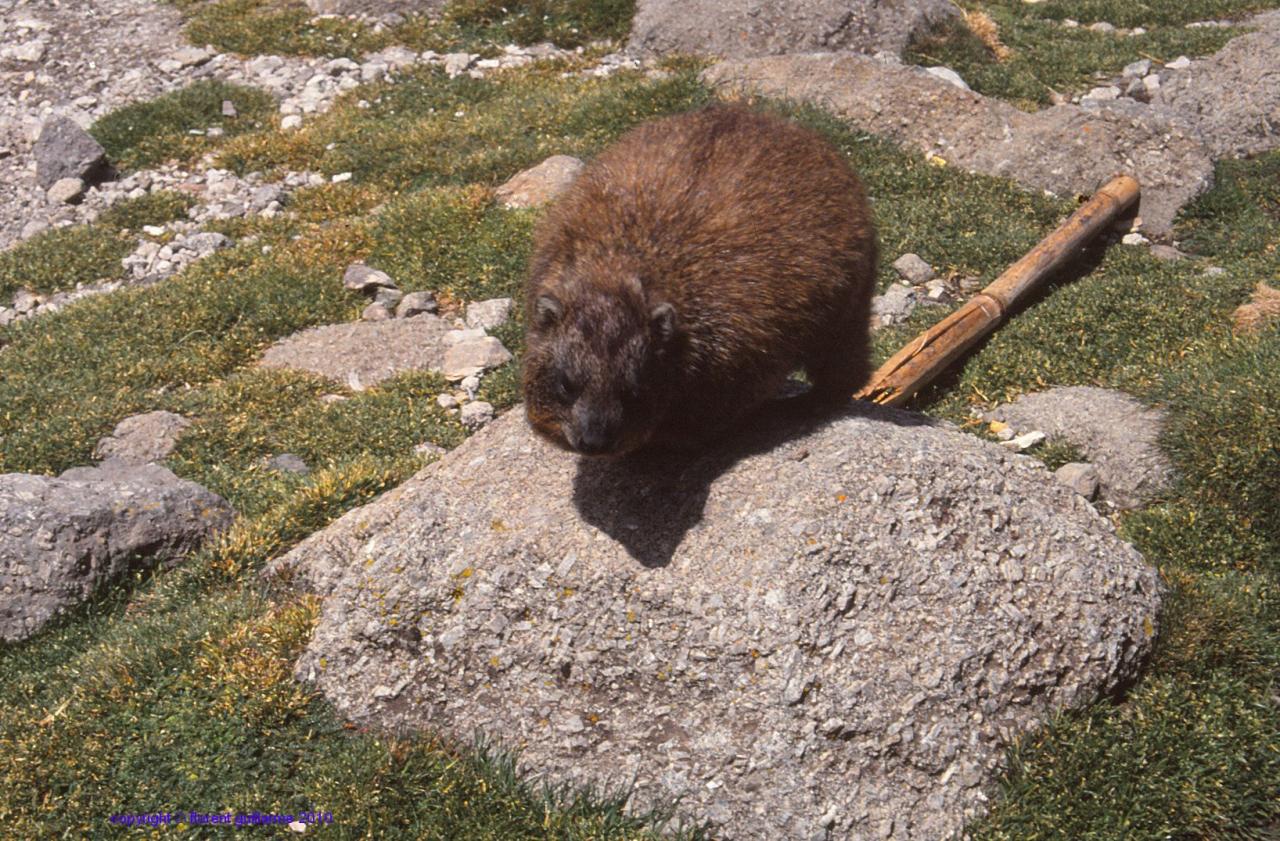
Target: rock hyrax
{"points": [[689, 269]]}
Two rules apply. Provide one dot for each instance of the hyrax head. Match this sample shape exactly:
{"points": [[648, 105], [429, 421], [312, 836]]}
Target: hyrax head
{"points": [[595, 372]]}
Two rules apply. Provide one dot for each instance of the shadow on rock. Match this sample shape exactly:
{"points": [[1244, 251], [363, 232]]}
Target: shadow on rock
{"points": [[649, 501]]}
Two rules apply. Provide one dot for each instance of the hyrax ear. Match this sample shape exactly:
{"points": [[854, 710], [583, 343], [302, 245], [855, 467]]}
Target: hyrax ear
{"points": [[547, 311], [662, 323]]}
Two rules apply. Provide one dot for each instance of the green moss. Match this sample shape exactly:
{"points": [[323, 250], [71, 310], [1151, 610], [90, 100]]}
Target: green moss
{"points": [[173, 126]]}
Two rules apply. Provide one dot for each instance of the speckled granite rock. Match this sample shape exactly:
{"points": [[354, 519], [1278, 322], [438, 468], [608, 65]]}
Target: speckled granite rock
{"points": [[825, 629], [61, 539]]}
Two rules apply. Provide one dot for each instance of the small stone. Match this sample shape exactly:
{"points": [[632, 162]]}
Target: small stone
{"points": [[206, 242], [1080, 477], [1106, 93], [427, 448], [936, 290], [1024, 442], [66, 191], [154, 230], [1102, 26], [288, 463], [477, 414], [948, 75], [25, 301], [1179, 63], [895, 305], [538, 185], [376, 312], [470, 385], [447, 401], [372, 71], [473, 356], [912, 269], [360, 278], [341, 177], [455, 63], [1137, 69], [388, 298], [1166, 253], [1151, 82], [416, 303], [190, 56], [1134, 239], [490, 314], [29, 51], [291, 121]]}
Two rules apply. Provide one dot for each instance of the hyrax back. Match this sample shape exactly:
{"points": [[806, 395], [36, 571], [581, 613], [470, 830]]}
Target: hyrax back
{"points": [[688, 270]]}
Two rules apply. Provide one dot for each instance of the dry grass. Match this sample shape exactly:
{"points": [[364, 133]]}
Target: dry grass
{"points": [[1263, 307]]}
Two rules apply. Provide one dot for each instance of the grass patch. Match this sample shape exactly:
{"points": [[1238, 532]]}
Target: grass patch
{"points": [[287, 27], [482, 25], [148, 133], [430, 130], [1044, 56], [59, 258], [274, 27], [156, 208]]}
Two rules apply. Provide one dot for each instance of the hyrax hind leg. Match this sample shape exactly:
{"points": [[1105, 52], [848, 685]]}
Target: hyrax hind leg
{"points": [[839, 362]]}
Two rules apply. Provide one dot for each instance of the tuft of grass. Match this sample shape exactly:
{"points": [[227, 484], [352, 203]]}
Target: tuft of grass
{"points": [[173, 126], [1035, 56], [565, 23], [57, 259], [274, 27], [152, 209]]}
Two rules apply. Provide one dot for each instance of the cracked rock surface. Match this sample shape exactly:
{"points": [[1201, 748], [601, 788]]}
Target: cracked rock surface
{"points": [[826, 628]]}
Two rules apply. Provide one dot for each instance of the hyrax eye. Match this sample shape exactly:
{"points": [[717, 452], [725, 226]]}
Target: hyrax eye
{"points": [[565, 388]]}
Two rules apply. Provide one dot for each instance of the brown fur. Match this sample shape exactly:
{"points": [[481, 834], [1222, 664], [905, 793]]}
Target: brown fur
{"points": [[687, 271]]}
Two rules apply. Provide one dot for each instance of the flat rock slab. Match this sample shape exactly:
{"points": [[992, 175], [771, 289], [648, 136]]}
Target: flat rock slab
{"points": [[144, 438], [363, 353], [1115, 432], [827, 628], [771, 27], [1232, 98], [1066, 149], [63, 538]]}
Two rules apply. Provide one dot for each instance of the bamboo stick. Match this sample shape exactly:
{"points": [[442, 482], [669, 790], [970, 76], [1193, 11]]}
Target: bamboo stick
{"points": [[925, 357]]}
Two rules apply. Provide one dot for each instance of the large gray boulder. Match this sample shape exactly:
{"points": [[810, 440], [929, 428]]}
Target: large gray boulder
{"points": [[1066, 149], [770, 27], [824, 629], [63, 538], [64, 150]]}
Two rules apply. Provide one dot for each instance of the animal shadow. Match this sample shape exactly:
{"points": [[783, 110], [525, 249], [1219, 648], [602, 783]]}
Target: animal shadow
{"points": [[650, 500]]}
